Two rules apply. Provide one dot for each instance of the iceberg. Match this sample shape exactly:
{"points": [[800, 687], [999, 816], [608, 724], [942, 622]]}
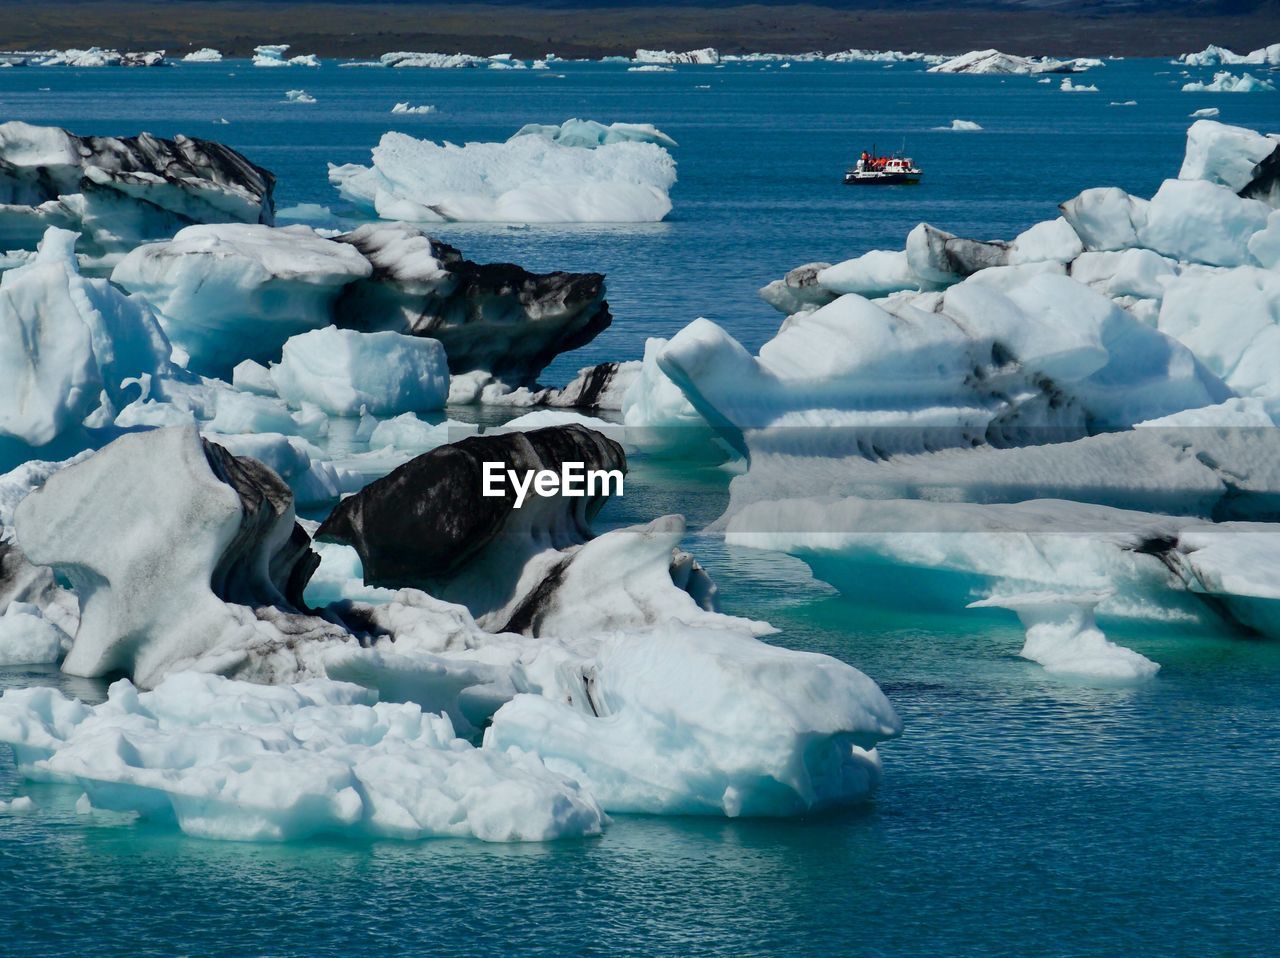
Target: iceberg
{"points": [[705, 55], [342, 372], [995, 62], [961, 126], [1227, 82], [590, 134], [527, 179], [496, 319], [1068, 87], [273, 55], [237, 291], [298, 96], [69, 346], [119, 191], [406, 108], [236, 761], [1016, 463], [651, 68], [203, 55], [1213, 55]]}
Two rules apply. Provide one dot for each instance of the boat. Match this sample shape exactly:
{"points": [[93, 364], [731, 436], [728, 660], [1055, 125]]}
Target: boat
{"points": [[873, 170]]}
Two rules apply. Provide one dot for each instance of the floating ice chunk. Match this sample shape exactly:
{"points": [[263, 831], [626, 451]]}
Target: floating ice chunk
{"points": [[1063, 636], [496, 318], [272, 55], [651, 68], [800, 291], [590, 134], [22, 805], [119, 191], [1202, 222], [1050, 241], [528, 179], [1106, 218], [28, 638], [203, 55], [960, 126], [1238, 344], [1226, 82], [238, 291], [182, 556], [705, 55], [1124, 103], [1068, 87], [298, 96], [1212, 55], [68, 344], [1234, 157], [872, 274], [406, 108], [1207, 112], [341, 371], [995, 62], [705, 721], [430, 61], [231, 760]]}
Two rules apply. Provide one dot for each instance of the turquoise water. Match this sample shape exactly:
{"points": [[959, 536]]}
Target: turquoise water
{"points": [[1021, 814]]}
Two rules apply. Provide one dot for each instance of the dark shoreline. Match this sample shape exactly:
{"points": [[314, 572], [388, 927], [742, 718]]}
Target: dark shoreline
{"points": [[370, 29]]}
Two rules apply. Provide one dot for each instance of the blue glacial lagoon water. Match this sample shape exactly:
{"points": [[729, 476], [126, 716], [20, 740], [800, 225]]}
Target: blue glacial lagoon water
{"points": [[1021, 814]]}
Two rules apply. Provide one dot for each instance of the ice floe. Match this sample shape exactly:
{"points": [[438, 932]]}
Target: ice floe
{"points": [[119, 191], [407, 108], [1214, 55], [1226, 82], [705, 55], [962, 126], [527, 179], [995, 62], [203, 55], [273, 55]]}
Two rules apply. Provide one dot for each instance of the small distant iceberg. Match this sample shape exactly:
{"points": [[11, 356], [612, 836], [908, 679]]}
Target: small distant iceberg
{"points": [[590, 134], [203, 55], [272, 55], [408, 59], [1067, 86], [651, 68], [707, 55], [1226, 82], [406, 108], [1124, 102], [95, 57], [298, 96], [1213, 55], [961, 126], [995, 62], [1206, 113]]}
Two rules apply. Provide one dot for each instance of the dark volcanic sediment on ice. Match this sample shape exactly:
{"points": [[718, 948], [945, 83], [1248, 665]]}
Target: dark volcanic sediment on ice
{"points": [[428, 518], [370, 29]]}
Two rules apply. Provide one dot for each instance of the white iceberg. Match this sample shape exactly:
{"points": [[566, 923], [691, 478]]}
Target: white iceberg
{"points": [[68, 345], [590, 134], [964, 126], [527, 179], [237, 291], [298, 96], [995, 62], [1226, 82], [1213, 55], [273, 55], [234, 761], [203, 55], [342, 371], [705, 55], [406, 108], [1068, 87]]}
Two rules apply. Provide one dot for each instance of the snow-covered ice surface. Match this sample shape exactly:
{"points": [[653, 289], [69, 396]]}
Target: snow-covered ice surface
{"points": [[526, 179]]}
